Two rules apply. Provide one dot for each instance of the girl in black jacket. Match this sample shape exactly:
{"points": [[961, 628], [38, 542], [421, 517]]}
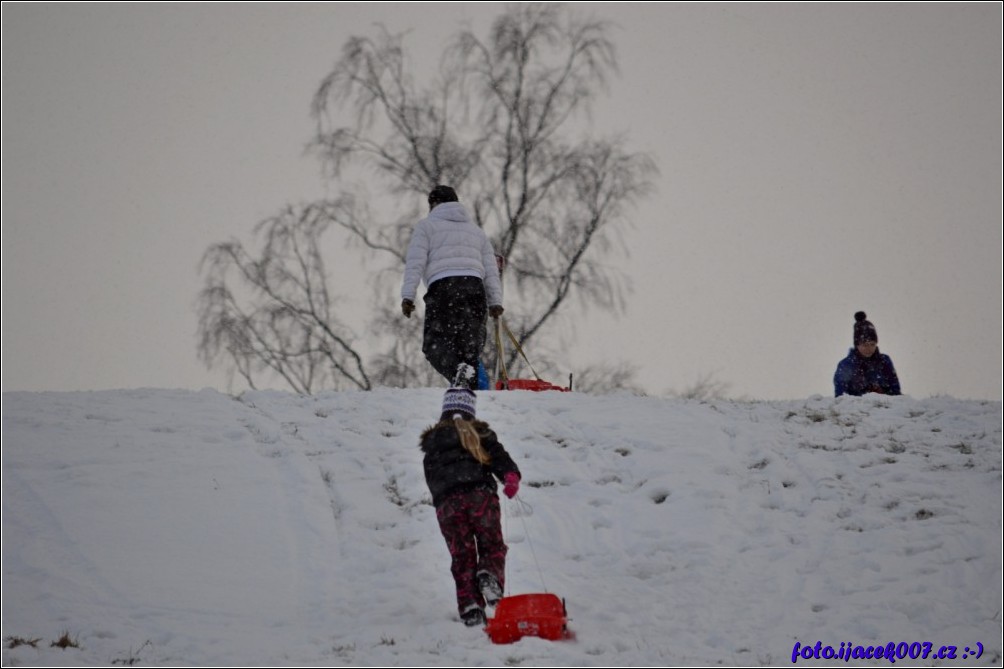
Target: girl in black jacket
{"points": [[463, 457]]}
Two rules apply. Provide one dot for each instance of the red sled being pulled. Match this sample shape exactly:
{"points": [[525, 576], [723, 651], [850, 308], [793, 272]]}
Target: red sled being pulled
{"points": [[504, 382], [541, 615], [528, 384]]}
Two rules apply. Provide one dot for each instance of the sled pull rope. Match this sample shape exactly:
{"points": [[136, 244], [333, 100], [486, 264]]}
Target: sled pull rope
{"points": [[524, 509], [502, 325], [500, 371]]}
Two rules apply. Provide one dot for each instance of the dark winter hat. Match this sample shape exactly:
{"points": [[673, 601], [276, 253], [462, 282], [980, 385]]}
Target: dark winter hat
{"points": [[460, 400], [441, 194], [863, 329]]}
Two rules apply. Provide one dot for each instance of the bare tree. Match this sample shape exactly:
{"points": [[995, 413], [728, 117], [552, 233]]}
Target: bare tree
{"points": [[607, 378], [501, 121], [706, 387], [286, 323]]}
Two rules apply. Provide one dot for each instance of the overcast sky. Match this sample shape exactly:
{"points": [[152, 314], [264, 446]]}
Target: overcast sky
{"points": [[814, 160]]}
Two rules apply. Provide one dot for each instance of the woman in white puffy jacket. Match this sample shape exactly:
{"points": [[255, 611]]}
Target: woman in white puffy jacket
{"points": [[455, 259]]}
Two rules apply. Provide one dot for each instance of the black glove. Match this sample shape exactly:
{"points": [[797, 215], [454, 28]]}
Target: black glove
{"points": [[495, 310], [407, 306]]}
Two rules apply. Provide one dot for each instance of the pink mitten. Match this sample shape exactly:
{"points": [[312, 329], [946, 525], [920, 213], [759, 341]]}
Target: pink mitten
{"points": [[511, 484]]}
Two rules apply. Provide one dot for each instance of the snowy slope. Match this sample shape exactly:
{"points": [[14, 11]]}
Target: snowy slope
{"points": [[162, 527]]}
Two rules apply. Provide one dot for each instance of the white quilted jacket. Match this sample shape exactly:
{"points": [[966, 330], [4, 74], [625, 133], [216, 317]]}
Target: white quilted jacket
{"points": [[447, 243]]}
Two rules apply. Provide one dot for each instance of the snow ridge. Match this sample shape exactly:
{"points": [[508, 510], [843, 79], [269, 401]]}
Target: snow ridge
{"points": [[173, 527]]}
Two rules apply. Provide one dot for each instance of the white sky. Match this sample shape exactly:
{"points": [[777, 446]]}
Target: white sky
{"points": [[815, 160]]}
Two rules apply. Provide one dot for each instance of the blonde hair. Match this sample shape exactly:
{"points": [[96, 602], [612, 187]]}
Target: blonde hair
{"points": [[470, 439]]}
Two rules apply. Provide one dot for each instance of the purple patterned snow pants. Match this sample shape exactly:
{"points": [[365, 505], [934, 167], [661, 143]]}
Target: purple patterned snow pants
{"points": [[471, 524]]}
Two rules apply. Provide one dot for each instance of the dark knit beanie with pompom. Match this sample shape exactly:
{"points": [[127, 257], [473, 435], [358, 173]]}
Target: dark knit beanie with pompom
{"points": [[863, 329]]}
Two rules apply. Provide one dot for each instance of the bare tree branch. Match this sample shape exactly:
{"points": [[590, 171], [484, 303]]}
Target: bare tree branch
{"points": [[287, 325]]}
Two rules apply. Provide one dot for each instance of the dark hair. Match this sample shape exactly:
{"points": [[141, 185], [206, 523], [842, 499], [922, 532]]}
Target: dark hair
{"points": [[441, 194]]}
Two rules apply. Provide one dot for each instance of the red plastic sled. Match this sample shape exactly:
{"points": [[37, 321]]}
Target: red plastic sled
{"points": [[504, 382], [541, 615], [527, 384]]}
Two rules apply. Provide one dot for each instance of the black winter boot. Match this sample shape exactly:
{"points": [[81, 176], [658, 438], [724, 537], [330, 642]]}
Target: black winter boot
{"points": [[489, 587], [473, 616]]}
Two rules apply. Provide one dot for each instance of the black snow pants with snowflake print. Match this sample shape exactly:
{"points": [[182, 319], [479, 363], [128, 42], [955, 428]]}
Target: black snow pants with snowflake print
{"points": [[471, 524], [456, 309]]}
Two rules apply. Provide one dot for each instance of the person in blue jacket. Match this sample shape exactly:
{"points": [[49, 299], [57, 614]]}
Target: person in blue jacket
{"points": [[865, 369]]}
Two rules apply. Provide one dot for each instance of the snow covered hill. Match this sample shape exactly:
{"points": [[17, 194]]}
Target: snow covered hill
{"points": [[161, 527]]}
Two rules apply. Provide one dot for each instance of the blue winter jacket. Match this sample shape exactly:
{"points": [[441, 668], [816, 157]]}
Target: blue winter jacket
{"points": [[857, 375]]}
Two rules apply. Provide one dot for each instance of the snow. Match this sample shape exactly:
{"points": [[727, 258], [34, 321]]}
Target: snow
{"points": [[163, 527]]}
